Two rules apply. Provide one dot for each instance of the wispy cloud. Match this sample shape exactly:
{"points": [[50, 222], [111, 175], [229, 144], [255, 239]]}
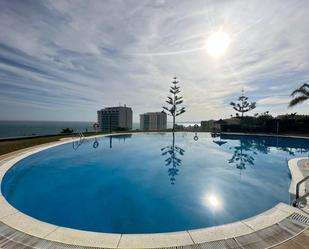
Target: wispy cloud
{"points": [[273, 100], [66, 59]]}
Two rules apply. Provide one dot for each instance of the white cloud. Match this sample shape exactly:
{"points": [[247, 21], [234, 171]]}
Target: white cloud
{"points": [[269, 101], [111, 52]]}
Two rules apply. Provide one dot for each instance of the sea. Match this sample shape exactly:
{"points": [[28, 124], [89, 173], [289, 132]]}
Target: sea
{"points": [[10, 129]]}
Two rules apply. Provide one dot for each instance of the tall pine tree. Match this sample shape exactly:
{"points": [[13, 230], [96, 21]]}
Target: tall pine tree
{"points": [[174, 101]]}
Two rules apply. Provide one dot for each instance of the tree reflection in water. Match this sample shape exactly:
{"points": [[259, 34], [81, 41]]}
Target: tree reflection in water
{"points": [[249, 146], [242, 156], [173, 160]]}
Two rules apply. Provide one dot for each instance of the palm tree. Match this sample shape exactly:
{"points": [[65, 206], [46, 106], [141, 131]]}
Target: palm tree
{"points": [[300, 95]]}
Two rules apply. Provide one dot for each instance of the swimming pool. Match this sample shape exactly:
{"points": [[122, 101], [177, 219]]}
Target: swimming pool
{"points": [[155, 182]]}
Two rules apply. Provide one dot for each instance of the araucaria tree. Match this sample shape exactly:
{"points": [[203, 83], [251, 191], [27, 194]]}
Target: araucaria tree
{"points": [[173, 161], [243, 105], [174, 101], [300, 95]]}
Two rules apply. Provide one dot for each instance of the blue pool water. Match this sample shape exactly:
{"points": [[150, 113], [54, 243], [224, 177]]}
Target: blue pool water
{"points": [[149, 183]]}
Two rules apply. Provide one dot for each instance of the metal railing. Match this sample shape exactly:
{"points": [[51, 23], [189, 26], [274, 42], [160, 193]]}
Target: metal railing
{"points": [[300, 201], [79, 142]]}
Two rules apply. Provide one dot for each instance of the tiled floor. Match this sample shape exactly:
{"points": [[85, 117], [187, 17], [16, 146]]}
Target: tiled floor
{"points": [[299, 242]]}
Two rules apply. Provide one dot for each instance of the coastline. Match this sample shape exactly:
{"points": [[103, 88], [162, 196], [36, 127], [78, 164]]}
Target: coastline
{"points": [[26, 129]]}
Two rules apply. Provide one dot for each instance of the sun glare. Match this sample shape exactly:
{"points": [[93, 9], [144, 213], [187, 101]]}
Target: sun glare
{"points": [[213, 201], [217, 44]]}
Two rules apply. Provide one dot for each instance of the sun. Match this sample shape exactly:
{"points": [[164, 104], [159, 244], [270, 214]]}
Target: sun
{"points": [[217, 43]]}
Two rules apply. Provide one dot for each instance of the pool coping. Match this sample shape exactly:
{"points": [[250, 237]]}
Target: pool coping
{"points": [[24, 223], [296, 175]]}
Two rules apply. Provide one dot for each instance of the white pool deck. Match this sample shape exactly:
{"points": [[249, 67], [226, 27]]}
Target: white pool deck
{"points": [[33, 227]]}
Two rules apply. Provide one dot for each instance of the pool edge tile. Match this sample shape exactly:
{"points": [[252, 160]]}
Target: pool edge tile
{"points": [[28, 225], [221, 232], [290, 209], [6, 210], [267, 218], [84, 238], [296, 174], [155, 240]]}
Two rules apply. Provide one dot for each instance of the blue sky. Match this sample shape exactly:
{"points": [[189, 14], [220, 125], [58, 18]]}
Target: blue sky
{"points": [[63, 60]]}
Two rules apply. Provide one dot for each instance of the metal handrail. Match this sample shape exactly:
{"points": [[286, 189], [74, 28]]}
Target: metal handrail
{"points": [[78, 143], [298, 198], [298, 184]]}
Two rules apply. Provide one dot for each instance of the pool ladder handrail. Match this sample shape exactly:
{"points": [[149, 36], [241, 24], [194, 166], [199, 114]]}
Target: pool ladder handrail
{"points": [[78, 143], [298, 198]]}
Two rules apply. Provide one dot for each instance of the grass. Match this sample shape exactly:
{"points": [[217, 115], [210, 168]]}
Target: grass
{"points": [[13, 145], [10, 145]]}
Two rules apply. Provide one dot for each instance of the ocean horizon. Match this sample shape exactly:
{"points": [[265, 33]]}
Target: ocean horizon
{"points": [[10, 129]]}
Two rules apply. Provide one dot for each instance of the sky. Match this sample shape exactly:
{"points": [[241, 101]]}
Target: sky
{"points": [[64, 60]]}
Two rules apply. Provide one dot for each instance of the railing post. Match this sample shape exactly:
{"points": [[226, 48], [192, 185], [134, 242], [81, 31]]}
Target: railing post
{"points": [[297, 188]]}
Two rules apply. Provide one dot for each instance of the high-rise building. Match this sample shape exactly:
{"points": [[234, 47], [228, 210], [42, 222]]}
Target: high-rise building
{"points": [[153, 121], [112, 118]]}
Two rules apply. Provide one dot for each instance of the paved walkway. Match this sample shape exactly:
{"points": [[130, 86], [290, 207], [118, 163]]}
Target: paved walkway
{"points": [[299, 242]]}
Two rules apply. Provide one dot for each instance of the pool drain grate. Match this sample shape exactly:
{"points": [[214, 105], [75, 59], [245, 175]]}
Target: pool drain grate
{"points": [[299, 218]]}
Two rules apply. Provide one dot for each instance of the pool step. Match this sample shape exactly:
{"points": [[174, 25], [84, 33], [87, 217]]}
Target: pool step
{"points": [[265, 238]]}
